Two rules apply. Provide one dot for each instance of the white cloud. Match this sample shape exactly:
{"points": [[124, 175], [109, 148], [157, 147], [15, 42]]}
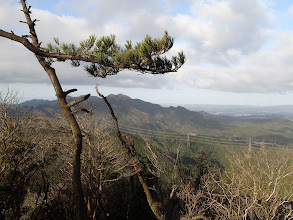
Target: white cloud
{"points": [[225, 41], [290, 10], [266, 70]]}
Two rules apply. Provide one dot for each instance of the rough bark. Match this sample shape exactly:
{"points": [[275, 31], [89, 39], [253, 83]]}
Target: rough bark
{"points": [[76, 132]]}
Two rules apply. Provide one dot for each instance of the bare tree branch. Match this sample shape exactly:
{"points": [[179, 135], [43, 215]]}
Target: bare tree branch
{"points": [[69, 91], [76, 101], [81, 110], [131, 154]]}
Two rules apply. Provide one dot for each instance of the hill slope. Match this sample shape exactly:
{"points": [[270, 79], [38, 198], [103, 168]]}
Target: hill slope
{"points": [[137, 115], [143, 115]]}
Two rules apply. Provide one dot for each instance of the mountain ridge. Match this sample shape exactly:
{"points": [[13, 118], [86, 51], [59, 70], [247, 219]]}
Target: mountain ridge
{"points": [[160, 117], [140, 115]]}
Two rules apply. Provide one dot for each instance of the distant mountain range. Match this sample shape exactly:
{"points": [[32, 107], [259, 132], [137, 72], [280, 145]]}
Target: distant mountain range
{"points": [[236, 110], [271, 124], [141, 114]]}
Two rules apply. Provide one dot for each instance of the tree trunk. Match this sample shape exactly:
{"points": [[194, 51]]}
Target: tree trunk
{"points": [[81, 210]]}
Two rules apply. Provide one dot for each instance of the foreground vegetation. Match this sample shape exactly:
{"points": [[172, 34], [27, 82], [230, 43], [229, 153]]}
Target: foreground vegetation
{"points": [[36, 170], [46, 163]]}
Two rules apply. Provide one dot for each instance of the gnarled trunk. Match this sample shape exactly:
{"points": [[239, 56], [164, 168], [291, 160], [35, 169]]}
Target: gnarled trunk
{"points": [[81, 211]]}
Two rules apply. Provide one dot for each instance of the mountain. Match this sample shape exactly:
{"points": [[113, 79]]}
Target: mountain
{"points": [[41, 104], [143, 115], [135, 115]]}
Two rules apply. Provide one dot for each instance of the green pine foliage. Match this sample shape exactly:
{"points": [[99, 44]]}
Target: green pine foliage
{"points": [[108, 58]]}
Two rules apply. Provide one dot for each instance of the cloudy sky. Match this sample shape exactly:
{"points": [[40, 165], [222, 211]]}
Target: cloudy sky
{"points": [[238, 51]]}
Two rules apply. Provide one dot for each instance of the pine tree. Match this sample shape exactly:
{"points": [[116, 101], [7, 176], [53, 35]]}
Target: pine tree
{"points": [[103, 57]]}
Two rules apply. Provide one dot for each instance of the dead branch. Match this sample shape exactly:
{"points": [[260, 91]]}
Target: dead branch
{"points": [[131, 154], [76, 101], [81, 110], [69, 91]]}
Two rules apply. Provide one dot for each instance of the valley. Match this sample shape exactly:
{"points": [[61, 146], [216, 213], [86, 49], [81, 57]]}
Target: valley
{"points": [[273, 127]]}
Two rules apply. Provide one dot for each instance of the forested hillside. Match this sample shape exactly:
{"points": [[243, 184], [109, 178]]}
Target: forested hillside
{"points": [[139, 116]]}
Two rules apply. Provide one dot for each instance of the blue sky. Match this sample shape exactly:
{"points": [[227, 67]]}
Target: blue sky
{"points": [[238, 52]]}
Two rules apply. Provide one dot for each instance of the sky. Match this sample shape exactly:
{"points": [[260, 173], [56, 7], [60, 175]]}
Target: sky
{"points": [[238, 52]]}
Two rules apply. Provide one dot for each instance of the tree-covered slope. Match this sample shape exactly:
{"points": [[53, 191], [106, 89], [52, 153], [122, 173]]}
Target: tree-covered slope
{"points": [[138, 116]]}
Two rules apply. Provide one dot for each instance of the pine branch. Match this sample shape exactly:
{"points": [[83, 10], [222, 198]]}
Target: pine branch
{"points": [[81, 110], [76, 101], [30, 23], [69, 91], [141, 65]]}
